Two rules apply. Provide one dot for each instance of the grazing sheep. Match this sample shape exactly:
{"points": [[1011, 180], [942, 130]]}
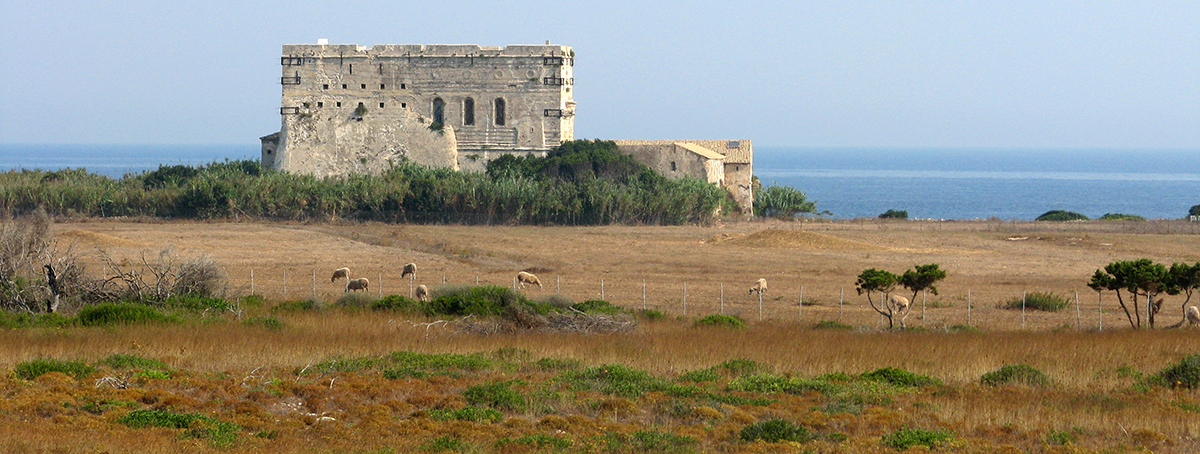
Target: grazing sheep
{"points": [[528, 278], [1193, 315], [340, 272], [900, 306], [357, 284], [422, 293], [760, 287], [409, 268]]}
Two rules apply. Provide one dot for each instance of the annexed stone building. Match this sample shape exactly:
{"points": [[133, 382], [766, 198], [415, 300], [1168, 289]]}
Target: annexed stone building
{"points": [[357, 109]]}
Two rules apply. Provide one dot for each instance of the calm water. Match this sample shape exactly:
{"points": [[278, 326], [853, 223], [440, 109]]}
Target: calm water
{"points": [[984, 183], [848, 182]]}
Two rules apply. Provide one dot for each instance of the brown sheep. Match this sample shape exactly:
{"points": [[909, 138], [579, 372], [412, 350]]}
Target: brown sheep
{"points": [[759, 287], [899, 305], [528, 278], [422, 293], [409, 268], [1193, 316], [340, 272], [357, 284]]}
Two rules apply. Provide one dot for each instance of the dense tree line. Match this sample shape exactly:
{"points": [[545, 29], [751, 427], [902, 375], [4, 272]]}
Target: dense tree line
{"points": [[579, 183]]}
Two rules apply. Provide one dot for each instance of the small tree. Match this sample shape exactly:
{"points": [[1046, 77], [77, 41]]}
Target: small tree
{"points": [[1061, 215], [922, 278], [1185, 279], [894, 214], [781, 201], [1194, 211], [1143, 279], [873, 280]]}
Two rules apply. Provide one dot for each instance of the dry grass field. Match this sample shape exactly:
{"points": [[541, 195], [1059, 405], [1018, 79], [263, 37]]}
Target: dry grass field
{"points": [[281, 389]]}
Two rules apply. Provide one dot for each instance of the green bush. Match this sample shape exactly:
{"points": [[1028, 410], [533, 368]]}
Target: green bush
{"points": [[104, 314], [270, 323], [14, 320], [769, 383], [120, 361], [446, 443], [297, 306], [1121, 217], [474, 414], [781, 202], [481, 300], [615, 379], [899, 377], [355, 299], [728, 321], [651, 315], [775, 431], [430, 361], [1061, 215], [832, 324], [198, 303], [1184, 374], [30, 370], [702, 375], [1022, 374], [894, 214], [198, 426], [597, 307], [740, 367], [498, 395], [1048, 302], [397, 303], [906, 438], [649, 441], [1194, 210]]}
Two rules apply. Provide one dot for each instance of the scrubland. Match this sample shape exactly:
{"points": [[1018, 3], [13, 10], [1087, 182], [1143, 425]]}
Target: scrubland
{"points": [[277, 376]]}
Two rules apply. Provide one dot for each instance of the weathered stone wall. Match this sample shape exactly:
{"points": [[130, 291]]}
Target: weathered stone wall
{"points": [[673, 161], [339, 141], [515, 99], [721, 162]]}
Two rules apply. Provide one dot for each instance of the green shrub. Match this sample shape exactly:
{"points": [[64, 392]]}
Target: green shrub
{"points": [[899, 377], [119, 313], [769, 383], [397, 303], [1121, 217], [30, 370], [480, 300], [446, 443], [781, 202], [355, 299], [153, 374], [651, 315], [728, 321], [649, 441], [427, 361], [474, 414], [558, 364], [197, 303], [13, 320], [270, 323], [906, 438], [198, 426], [119, 361], [498, 395], [596, 307], [894, 214], [739, 367], [615, 379], [1016, 374], [1060, 215], [832, 324], [1184, 374], [1048, 302], [297, 306], [702, 375], [775, 431], [1194, 210]]}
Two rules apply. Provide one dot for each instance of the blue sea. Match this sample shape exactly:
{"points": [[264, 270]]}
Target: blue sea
{"points": [[935, 183]]}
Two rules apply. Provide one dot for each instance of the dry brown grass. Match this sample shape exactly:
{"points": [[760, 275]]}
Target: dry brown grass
{"points": [[1091, 392]]}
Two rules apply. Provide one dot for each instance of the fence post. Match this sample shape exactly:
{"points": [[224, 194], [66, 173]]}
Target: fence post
{"points": [[443, 279], [314, 279], [685, 298], [800, 307], [251, 281], [411, 277], [380, 284], [841, 299], [722, 298], [602, 289], [1022, 310], [285, 283], [1100, 310], [643, 295], [968, 307], [759, 306], [922, 308], [557, 284], [476, 280], [1078, 317]]}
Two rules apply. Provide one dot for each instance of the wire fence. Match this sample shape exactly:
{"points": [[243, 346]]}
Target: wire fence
{"points": [[789, 302]]}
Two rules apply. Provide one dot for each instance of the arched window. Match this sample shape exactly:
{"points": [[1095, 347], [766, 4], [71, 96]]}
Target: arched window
{"points": [[469, 112], [439, 111], [499, 111]]}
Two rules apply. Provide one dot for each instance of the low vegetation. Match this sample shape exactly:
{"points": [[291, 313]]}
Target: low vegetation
{"points": [[1061, 215], [1015, 374], [1038, 301]]}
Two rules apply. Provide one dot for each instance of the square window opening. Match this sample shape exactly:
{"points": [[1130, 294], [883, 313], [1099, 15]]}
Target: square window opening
{"points": [[382, 86], [380, 105], [402, 86], [364, 86], [324, 86], [343, 86], [404, 105], [339, 104], [320, 104]]}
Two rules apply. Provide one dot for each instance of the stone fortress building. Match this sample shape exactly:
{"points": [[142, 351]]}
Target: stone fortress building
{"points": [[358, 109]]}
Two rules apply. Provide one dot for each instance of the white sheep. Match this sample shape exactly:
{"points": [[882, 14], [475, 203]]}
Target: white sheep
{"points": [[1193, 315], [409, 268], [340, 272], [900, 306], [357, 284], [760, 287], [422, 293], [528, 278]]}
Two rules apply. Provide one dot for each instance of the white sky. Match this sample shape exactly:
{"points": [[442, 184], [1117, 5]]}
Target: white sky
{"points": [[1035, 74]]}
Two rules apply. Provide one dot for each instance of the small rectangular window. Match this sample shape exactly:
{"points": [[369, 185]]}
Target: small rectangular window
{"points": [[402, 86], [404, 105], [364, 86], [380, 105], [672, 166], [320, 104], [343, 86], [382, 86], [324, 86], [352, 68], [339, 104]]}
